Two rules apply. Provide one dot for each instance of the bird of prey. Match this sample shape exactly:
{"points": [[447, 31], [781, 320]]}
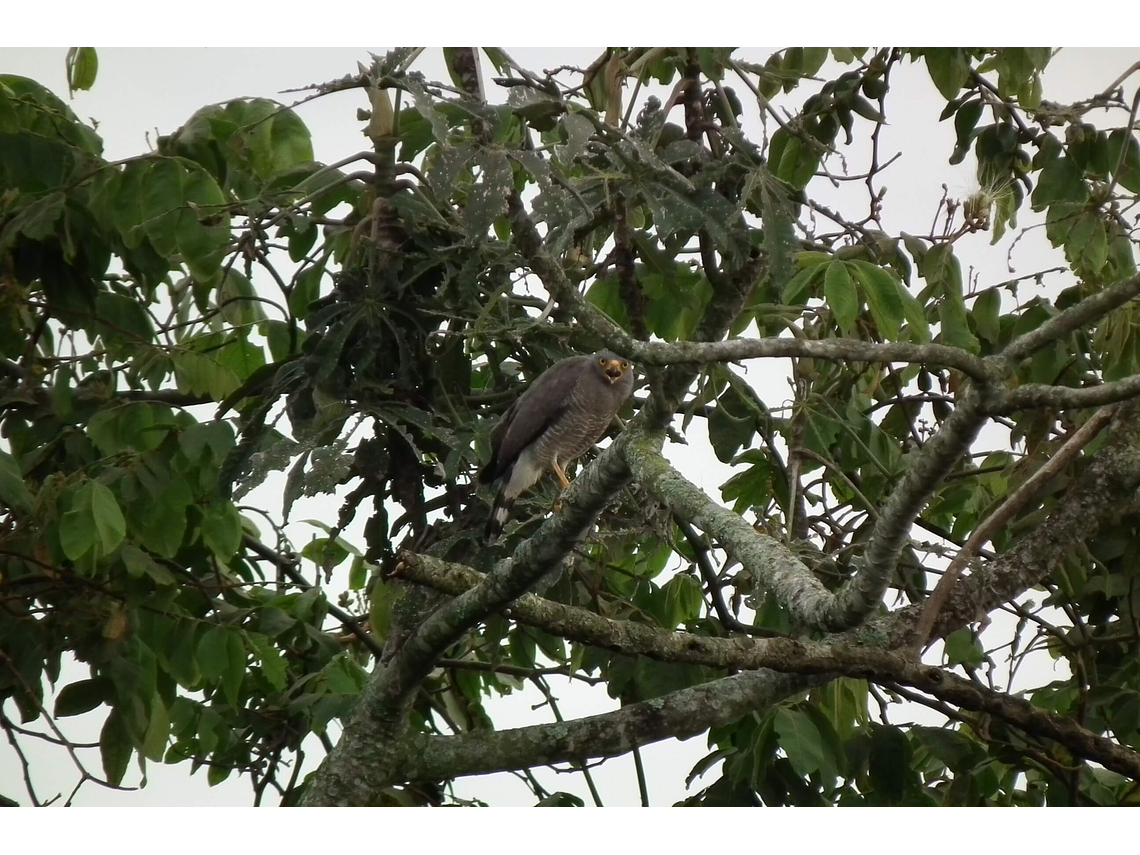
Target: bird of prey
{"points": [[560, 415]]}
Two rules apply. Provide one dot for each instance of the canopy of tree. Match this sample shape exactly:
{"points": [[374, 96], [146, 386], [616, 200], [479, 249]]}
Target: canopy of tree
{"points": [[955, 469]]}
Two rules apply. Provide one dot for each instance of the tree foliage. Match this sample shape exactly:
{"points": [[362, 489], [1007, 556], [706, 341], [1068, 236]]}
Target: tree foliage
{"points": [[179, 325]]}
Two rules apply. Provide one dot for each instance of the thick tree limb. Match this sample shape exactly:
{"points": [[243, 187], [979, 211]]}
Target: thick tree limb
{"points": [[1107, 485], [892, 526], [995, 521], [1100, 494], [779, 654], [681, 715], [361, 763], [1033, 395], [777, 568]]}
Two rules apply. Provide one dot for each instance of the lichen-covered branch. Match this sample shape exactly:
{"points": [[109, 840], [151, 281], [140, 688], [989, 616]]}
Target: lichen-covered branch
{"points": [[1033, 395], [571, 741], [679, 715], [1073, 318], [892, 527], [808, 602], [362, 761], [534, 557], [993, 523], [371, 758], [1101, 493]]}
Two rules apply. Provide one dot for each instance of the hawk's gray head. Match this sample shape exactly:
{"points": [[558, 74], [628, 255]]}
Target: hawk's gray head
{"points": [[612, 369]]}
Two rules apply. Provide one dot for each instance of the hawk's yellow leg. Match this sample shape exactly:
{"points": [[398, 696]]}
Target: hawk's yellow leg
{"points": [[563, 482]]}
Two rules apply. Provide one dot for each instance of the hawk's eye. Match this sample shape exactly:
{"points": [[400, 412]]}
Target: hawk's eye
{"points": [[624, 366], [602, 361]]}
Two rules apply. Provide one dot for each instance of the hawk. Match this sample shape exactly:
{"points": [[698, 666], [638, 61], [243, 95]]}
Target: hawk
{"points": [[560, 415]]}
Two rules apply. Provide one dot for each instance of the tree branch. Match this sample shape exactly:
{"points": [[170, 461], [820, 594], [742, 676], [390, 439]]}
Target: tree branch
{"points": [[779, 654], [1011, 506], [679, 715], [1033, 395], [892, 527], [1073, 318], [361, 763], [775, 566]]}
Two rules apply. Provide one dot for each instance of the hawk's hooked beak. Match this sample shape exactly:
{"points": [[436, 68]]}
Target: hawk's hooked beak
{"points": [[613, 370]]}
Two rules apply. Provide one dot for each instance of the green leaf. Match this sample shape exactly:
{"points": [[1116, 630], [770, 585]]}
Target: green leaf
{"points": [[814, 58], [955, 327], [986, 309], [161, 526], [380, 599], [82, 66], [840, 295], [325, 553], [1128, 176], [605, 294], [203, 227], [561, 799], [77, 528], [889, 761], [949, 746], [357, 573], [753, 486], [116, 747], [1095, 252], [235, 667], [157, 731], [792, 159], [798, 285], [212, 656], [963, 649], [81, 696], [106, 516], [883, 298], [273, 667], [801, 741], [487, 199], [161, 199], [915, 314], [941, 266], [949, 68], [731, 424], [221, 529], [140, 564], [966, 120], [122, 320], [681, 601], [306, 290], [236, 299], [200, 373], [1060, 181], [13, 491]]}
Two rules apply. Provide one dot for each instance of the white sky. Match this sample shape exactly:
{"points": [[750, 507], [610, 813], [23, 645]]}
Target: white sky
{"points": [[149, 90]]}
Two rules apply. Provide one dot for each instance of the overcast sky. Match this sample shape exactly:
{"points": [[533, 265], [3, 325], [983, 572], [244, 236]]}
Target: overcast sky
{"points": [[141, 92]]}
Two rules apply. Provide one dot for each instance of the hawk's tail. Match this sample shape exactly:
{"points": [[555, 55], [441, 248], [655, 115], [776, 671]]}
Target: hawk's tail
{"points": [[500, 513]]}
